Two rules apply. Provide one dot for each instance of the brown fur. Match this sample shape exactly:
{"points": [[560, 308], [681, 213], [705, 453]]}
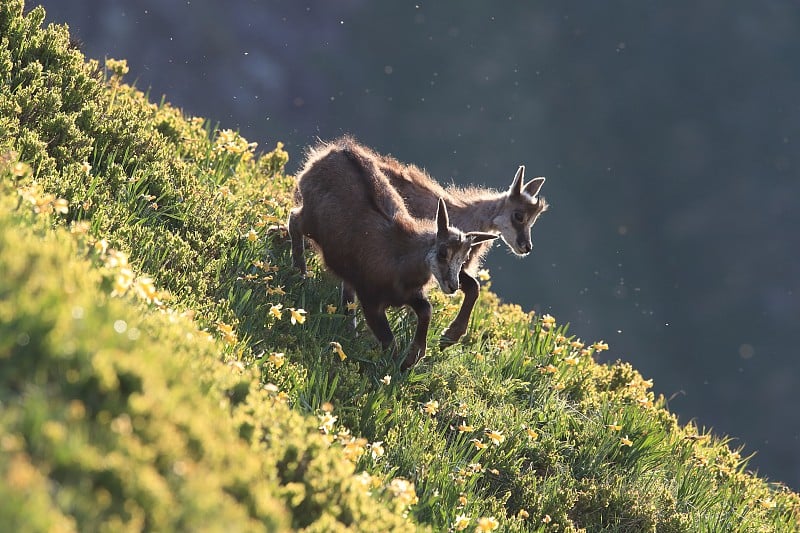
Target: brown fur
{"points": [[368, 238]]}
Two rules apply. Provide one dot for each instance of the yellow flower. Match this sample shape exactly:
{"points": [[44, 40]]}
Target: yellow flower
{"points": [[337, 349], [531, 434], [404, 491], [277, 359], [462, 409], [376, 450], [297, 315], [252, 236], [463, 428], [327, 421], [354, 448], [227, 332], [118, 67], [276, 290], [496, 437], [61, 206], [600, 346], [116, 259], [101, 246], [20, 169], [364, 479], [145, 288], [462, 500], [571, 361], [351, 306], [577, 344], [330, 309], [614, 427], [431, 407], [478, 443], [275, 311], [523, 514], [79, 227], [122, 282], [549, 369], [225, 192], [625, 441], [461, 522], [327, 407], [387, 379], [487, 523], [548, 321], [483, 275], [547, 519], [769, 503]]}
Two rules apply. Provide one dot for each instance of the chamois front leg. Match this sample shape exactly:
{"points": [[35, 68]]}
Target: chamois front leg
{"points": [[422, 308], [348, 299], [458, 327], [296, 235], [375, 317]]}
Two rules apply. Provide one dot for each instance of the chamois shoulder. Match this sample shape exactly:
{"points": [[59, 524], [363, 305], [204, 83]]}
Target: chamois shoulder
{"points": [[346, 157]]}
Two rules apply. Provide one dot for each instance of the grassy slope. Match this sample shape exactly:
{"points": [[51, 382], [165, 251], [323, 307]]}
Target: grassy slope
{"points": [[166, 429]]}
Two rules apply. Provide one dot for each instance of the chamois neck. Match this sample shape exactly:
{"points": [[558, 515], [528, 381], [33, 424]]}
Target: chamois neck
{"points": [[413, 255], [475, 209]]}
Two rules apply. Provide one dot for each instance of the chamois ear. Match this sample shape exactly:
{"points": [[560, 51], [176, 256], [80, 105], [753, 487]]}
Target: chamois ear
{"points": [[533, 187], [442, 220], [516, 186], [477, 237]]}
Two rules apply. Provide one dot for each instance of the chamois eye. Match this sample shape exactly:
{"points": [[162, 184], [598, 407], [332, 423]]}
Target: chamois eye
{"points": [[442, 253], [518, 217]]}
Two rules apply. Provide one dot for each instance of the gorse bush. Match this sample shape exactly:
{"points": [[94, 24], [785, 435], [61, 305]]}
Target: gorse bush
{"points": [[162, 367]]}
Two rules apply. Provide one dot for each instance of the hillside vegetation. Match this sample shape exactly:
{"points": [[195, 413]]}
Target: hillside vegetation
{"points": [[162, 367]]}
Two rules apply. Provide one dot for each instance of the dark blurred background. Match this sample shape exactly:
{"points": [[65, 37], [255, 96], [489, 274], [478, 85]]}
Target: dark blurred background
{"points": [[668, 133]]}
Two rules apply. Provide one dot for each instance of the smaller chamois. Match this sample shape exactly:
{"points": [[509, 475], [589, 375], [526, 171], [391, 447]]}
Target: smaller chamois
{"points": [[366, 236], [510, 213]]}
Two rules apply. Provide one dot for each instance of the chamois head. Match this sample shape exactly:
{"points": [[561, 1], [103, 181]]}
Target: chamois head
{"points": [[521, 207], [451, 250]]}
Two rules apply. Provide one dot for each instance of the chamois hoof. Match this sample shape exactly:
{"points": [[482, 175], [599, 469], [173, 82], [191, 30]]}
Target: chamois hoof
{"points": [[445, 343], [408, 363], [414, 356], [449, 338], [302, 269]]}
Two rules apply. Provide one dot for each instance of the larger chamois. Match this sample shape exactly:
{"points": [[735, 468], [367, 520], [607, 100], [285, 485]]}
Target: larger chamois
{"points": [[368, 239], [509, 213]]}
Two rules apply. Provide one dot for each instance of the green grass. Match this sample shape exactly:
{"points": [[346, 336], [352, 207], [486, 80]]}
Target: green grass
{"points": [[151, 376]]}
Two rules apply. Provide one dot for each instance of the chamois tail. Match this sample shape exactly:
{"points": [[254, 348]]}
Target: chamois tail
{"points": [[380, 191]]}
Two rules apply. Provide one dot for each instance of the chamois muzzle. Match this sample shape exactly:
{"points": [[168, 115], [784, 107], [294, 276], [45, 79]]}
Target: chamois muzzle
{"points": [[524, 246]]}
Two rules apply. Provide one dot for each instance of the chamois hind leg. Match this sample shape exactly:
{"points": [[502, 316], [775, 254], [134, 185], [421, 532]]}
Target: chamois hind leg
{"points": [[296, 235], [348, 299], [375, 317], [422, 308], [458, 327]]}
